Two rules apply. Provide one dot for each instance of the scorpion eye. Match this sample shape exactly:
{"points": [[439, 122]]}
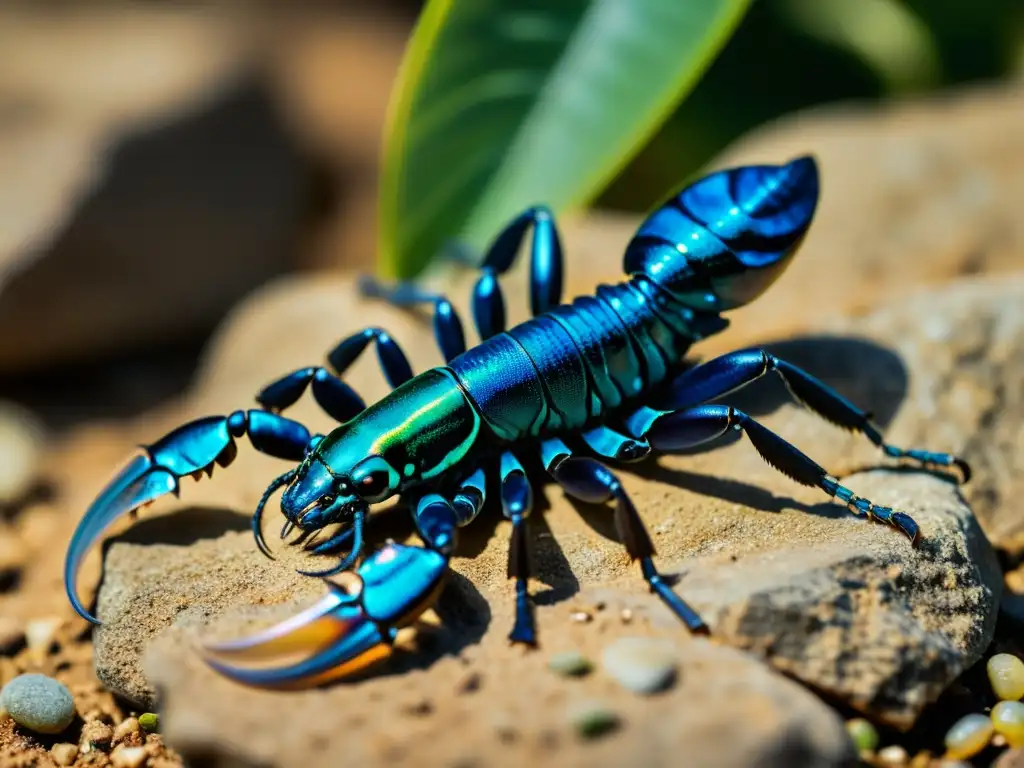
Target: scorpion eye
{"points": [[374, 479]]}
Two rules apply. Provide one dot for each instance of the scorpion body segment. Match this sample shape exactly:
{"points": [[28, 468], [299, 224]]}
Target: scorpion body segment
{"points": [[607, 369]]}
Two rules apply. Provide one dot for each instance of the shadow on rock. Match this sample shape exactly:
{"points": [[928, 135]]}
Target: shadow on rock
{"points": [[465, 616], [870, 376], [183, 527]]}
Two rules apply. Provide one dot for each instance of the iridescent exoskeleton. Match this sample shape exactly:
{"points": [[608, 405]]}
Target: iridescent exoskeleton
{"points": [[604, 373]]}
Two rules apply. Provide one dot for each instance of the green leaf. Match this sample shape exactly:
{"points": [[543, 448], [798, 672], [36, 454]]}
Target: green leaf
{"points": [[503, 104]]}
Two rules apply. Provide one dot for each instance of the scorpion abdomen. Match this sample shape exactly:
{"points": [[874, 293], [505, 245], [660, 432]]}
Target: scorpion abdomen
{"points": [[571, 367]]}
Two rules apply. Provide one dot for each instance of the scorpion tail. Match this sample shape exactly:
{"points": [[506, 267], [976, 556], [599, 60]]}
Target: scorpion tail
{"points": [[345, 632]]}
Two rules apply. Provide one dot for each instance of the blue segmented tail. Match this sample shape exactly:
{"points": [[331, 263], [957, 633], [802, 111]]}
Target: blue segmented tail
{"points": [[719, 243]]}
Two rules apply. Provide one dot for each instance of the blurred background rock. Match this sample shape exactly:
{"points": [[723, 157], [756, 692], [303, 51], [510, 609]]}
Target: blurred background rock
{"points": [[158, 163]]}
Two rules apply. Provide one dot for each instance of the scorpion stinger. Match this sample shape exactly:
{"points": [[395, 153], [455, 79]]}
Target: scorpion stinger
{"points": [[346, 632]]}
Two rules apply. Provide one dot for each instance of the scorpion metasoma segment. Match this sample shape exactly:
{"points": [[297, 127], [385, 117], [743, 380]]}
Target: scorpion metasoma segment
{"points": [[603, 374]]}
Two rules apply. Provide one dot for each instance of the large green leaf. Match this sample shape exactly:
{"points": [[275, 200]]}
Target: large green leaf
{"points": [[502, 104]]}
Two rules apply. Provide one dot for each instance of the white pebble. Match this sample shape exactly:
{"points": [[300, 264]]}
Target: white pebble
{"points": [[21, 444], [128, 757], [641, 664]]}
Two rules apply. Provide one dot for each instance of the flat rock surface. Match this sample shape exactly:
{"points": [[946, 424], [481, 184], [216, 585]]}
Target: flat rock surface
{"points": [[846, 606], [922, 195]]}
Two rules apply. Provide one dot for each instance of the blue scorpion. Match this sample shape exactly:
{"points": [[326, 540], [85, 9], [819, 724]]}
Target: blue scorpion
{"points": [[601, 378]]}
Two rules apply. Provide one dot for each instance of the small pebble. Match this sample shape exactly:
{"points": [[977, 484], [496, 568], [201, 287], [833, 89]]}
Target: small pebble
{"points": [[1006, 673], [39, 703], [126, 728], [128, 757], [1008, 721], [863, 734], [39, 636], [893, 755], [96, 735], [593, 719], [21, 445], [570, 664], [580, 617], [968, 736], [640, 664], [149, 721], [626, 616], [64, 753]]}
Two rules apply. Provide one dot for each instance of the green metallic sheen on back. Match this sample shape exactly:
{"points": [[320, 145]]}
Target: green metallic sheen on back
{"points": [[422, 429]]}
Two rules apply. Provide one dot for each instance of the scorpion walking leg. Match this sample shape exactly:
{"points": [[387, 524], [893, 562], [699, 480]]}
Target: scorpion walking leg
{"points": [[336, 397], [735, 370], [516, 504], [447, 326], [545, 270], [678, 430], [592, 482]]}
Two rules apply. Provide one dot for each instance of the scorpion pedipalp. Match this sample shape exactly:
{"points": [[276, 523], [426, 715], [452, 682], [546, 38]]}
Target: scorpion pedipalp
{"points": [[157, 468], [344, 632]]}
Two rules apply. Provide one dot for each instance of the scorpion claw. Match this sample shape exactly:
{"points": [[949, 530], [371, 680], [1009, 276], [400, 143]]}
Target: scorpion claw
{"points": [[343, 633], [139, 482], [191, 449]]}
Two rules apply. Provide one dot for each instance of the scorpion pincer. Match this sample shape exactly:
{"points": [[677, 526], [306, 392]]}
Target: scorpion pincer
{"points": [[604, 374]]}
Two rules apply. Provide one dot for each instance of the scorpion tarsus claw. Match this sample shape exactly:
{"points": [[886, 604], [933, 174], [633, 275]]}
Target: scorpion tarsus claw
{"points": [[343, 633]]}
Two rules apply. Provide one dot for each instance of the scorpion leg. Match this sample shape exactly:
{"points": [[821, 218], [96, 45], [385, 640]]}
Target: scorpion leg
{"points": [[447, 326], [545, 270], [336, 397], [348, 631], [191, 449], [609, 444], [735, 370], [516, 504], [393, 361], [677, 430], [590, 481]]}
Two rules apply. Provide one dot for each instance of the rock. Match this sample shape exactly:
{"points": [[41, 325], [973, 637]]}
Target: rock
{"points": [[640, 664], [592, 719], [40, 635], [39, 703], [570, 664], [726, 708], [147, 188], [96, 735], [126, 729], [64, 753], [845, 606], [21, 447], [128, 757]]}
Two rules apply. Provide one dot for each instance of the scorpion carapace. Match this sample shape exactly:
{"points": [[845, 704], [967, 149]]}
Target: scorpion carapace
{"points": [[604, 374]]}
